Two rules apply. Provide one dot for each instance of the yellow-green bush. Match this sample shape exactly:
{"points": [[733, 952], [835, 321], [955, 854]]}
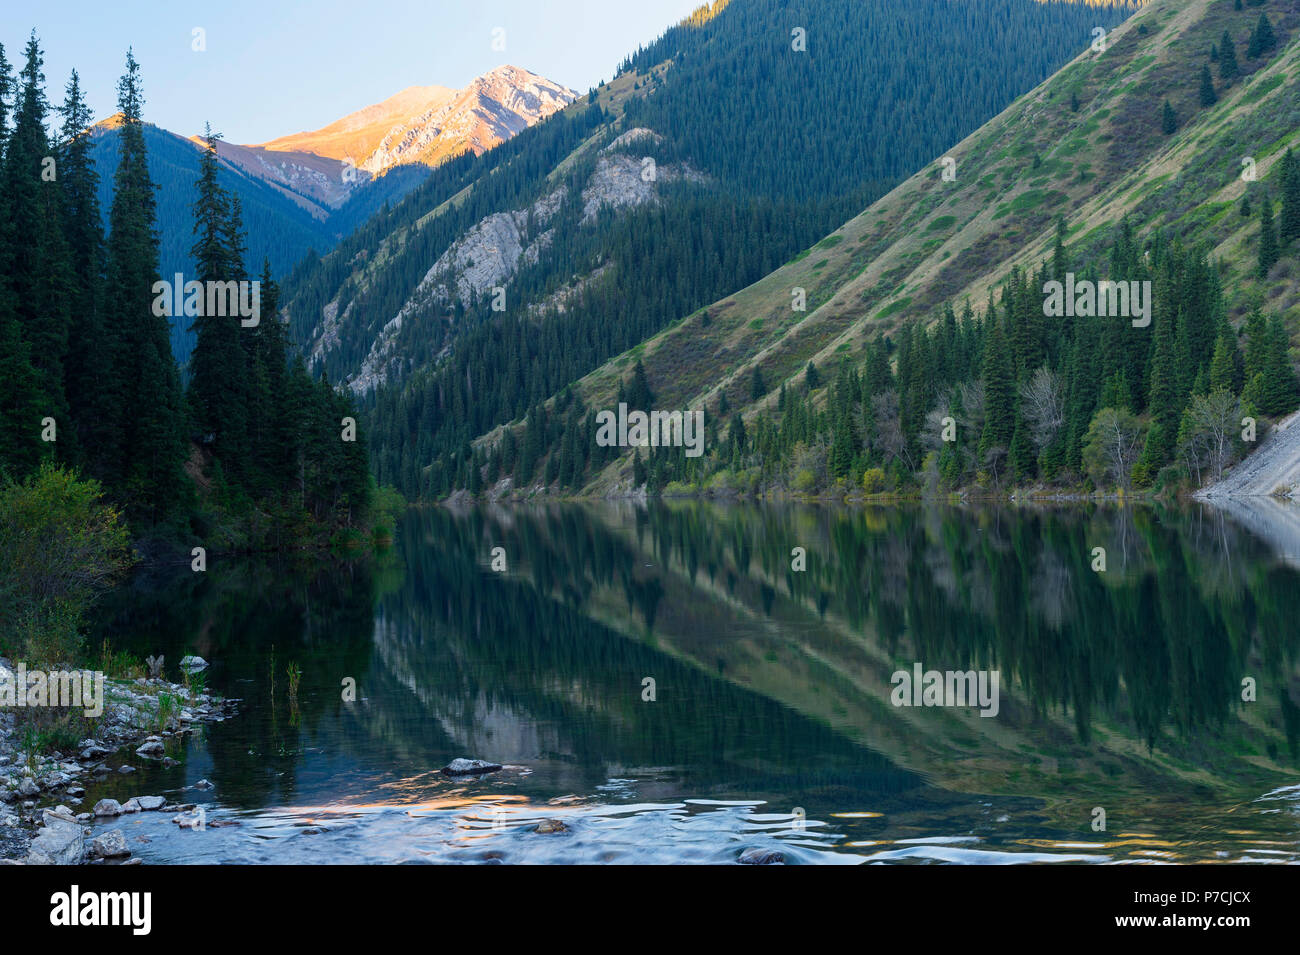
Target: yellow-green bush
{"points": [[873, 480]]}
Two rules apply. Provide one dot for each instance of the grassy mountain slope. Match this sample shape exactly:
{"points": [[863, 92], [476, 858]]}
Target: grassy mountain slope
{"points": [[930, 241]]}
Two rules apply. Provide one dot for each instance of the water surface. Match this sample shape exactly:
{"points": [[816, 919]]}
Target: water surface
{"points": [[772, 724]]}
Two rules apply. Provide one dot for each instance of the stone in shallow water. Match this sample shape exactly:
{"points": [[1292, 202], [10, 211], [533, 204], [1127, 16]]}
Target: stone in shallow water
{"points": [[151, 748], [194, 663], [107, 807], [551, 825], [469, 767], [761, 857], [110, 845]]}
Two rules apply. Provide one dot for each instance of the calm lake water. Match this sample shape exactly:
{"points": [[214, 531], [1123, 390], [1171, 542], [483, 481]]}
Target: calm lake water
{"points": [[772, 724]]}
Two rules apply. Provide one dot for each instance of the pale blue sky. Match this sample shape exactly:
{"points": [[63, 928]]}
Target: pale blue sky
{"points": [[273, 68]]}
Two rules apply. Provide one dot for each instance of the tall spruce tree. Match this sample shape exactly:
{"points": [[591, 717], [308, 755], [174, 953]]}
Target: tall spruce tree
{"points": [[144, 408], [219, 366], [86, 371], [1268, 244], [1208, 96], [1228, 68], [1289, 220], [999, 391], [1262, 40], [1168, 119], [36, 253], [20, 404]]}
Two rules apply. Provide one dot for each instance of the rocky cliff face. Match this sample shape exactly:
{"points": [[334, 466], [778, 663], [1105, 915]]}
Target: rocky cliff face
{"points": [[488, 255]]}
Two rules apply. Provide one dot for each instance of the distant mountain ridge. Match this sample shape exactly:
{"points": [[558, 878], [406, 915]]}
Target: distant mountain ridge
{"points": [[428, 124], [304, 192]]}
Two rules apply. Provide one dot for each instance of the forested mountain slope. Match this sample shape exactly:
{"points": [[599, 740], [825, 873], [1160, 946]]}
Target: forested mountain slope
{"points": [[1159, 152], [738, 138]]}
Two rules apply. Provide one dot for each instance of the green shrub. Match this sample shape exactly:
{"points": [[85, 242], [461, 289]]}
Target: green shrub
{"points": [[60, 547]]}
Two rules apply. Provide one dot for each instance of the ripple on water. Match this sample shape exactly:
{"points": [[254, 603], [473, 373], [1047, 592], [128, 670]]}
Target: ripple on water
{"points": [[504, 828]]}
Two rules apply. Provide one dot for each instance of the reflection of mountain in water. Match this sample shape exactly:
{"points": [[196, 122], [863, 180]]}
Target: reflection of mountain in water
{"points": [[1272, 519], [505, 671], [771, 684], [1132, 675]]}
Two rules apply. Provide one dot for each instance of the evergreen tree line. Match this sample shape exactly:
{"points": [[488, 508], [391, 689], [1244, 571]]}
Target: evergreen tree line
{"points": [[87, 375], [1007, 396]]}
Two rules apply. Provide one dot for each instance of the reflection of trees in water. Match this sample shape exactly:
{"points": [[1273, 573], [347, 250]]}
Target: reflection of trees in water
{"points": [[317, 614], [1161, 640], [518, 654]]}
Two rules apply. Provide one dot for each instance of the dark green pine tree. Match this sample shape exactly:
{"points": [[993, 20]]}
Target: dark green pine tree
{"points": [[1023, 464], [879, 376], [1268, 245], [36, 252], [844, 446], [1289, 220], [1060, 260], [639, 395], [737, 439], [570, 465], [757, 387], [1163, 402], [86, 372], [146, 409], [20, 397], [1228, 69], [353, 477], [269, 429], [1278, 392], [534, 444], [1257, 343], [1262, 40], [999, 391], [1208, 96], [219, 366], [1168, 119], [1223, 369], [1116, 393]]}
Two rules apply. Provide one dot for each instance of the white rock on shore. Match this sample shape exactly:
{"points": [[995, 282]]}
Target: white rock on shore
{"points": [[61, 841]]}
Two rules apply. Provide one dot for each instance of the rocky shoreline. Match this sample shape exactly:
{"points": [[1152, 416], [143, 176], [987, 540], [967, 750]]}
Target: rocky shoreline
{"points": [[40, 793]]}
